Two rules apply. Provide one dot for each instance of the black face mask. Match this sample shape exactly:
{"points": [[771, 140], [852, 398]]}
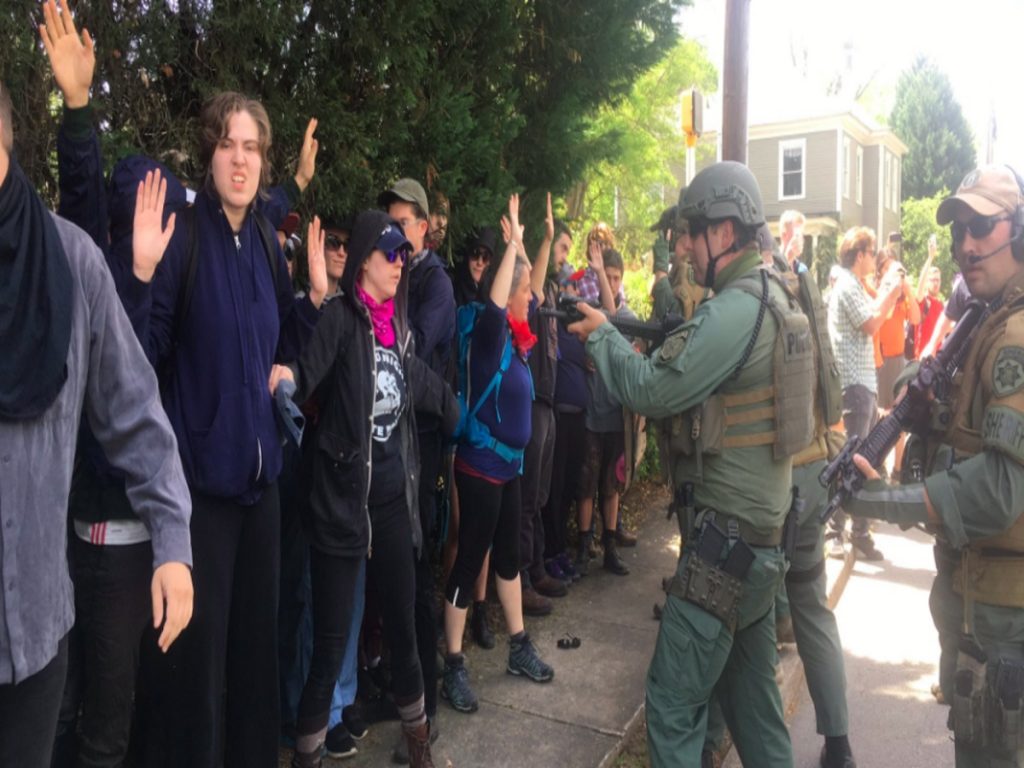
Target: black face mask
{"points": [[35, 302]]}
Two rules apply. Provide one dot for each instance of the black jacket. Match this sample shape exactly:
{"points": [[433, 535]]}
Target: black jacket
{"points": [[338, 364]]}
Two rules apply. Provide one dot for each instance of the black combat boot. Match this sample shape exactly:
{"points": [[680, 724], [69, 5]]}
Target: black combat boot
{"points": [[612, 561]]}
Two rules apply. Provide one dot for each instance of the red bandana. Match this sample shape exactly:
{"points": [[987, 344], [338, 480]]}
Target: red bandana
{"points": [[523, 338]]}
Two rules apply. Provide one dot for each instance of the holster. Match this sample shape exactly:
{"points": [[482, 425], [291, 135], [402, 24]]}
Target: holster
{"points": [[1006, 713], [711, 581], [792, 524], [968, 713]]}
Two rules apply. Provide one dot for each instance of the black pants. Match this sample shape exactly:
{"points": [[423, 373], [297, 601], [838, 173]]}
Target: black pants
{"points": [[535, 487], [112, 608], [28, 714], [391, 570], [431, 455], [488, 519], [222, 699], [566, 466]]}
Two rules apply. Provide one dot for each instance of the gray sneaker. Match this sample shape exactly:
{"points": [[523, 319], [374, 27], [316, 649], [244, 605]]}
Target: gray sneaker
{"points": [[524, 660]]}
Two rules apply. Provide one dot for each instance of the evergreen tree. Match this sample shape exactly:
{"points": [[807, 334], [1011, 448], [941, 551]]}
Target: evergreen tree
{"points": [[931, 123]]}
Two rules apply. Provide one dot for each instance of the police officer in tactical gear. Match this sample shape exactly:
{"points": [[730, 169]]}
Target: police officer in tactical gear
{"points": [[974, 505], [718, 376]]}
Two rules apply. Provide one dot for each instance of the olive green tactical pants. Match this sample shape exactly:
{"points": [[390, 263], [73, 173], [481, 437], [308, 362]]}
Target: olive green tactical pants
{"points": [[814, 624], [696, 655], [1000, 631]]}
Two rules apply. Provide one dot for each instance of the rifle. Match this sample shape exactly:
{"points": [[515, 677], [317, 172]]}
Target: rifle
{"points": [[910, 414], [566, 312]]}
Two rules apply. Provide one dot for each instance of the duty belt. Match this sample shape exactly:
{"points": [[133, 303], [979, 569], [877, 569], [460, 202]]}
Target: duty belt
{"points": [[755, 537]]}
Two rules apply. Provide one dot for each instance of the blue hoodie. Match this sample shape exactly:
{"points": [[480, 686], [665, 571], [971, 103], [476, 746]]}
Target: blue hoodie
{"points": [[214, 380]]}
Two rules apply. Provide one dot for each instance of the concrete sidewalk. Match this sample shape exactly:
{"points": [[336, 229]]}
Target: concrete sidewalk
{"points": [[581, 717], [584, 716]]}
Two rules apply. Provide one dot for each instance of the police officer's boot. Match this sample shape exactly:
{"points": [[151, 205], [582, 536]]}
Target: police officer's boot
{"points": [[836, 753], [583, 553], [612, 561]]}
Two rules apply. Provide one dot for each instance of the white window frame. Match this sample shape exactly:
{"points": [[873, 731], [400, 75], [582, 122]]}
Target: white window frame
{"points": [[800, 144], [846, 167], [860, 175]]}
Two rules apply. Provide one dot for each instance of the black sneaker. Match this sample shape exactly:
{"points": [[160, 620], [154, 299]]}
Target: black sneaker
{"points": [[340, 743], [354, 722]]}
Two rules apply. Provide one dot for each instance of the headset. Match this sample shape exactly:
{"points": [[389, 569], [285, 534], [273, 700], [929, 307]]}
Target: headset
{"points": [[1016, 229]]}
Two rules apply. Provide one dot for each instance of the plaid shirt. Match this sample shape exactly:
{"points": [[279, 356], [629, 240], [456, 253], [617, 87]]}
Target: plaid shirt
{"points": [[589, 287], [849, 307]]}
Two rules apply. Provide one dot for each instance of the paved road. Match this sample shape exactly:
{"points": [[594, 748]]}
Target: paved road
{"points": [[891, 653]]}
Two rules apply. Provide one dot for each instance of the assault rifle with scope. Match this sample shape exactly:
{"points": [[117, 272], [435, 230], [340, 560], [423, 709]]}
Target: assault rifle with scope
{"points": [[566, 311], [910, 414]]}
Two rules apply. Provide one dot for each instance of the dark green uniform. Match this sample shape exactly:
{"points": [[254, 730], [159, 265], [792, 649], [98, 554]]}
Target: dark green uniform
{"points": [[696, 652], [979, 501]]}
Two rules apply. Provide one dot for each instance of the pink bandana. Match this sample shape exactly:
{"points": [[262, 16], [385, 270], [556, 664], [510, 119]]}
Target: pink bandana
{"points": [[380, 315]]}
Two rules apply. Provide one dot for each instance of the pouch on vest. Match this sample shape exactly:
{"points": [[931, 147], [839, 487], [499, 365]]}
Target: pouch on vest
{"points": [[968, 714], [829, 385], [793, 372]]}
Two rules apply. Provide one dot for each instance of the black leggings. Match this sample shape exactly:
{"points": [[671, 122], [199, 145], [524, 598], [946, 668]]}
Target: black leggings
{"points": [[488, 517], [390, 569]]}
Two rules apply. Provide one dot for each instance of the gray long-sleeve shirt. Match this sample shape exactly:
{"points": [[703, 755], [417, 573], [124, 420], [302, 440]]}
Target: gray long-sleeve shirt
{"points": [[110, 378]]}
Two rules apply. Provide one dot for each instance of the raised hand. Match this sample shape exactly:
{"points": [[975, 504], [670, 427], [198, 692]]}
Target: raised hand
{"points": [[149, 236], [307, 157], [72, 58], [595, 255], [549, 222], [316, 262]]}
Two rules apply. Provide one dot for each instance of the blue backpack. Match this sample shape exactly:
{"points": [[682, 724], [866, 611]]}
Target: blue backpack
{"points": [[470, 429]]}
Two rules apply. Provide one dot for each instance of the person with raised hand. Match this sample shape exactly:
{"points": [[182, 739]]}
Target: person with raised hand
{"points": [[498, 389]]}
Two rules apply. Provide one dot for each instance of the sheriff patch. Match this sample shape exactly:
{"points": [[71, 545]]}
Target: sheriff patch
{"points": [[1008, 371], [674, 345]]}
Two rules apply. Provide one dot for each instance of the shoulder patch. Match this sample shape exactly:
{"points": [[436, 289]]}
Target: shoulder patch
{"points": [[1008, 371], [674, 344]]}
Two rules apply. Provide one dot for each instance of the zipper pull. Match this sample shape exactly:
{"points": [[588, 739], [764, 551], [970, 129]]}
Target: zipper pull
{"points": [[238, 244]]}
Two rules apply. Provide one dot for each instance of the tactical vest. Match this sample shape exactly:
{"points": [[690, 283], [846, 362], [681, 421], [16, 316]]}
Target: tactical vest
{"points": [[787, 422], [994, 566]]}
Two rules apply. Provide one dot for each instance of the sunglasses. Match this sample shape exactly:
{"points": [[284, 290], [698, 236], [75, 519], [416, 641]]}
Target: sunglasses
{"points": [[395, 255], [980, 227], [334, 242], [481, 254]]}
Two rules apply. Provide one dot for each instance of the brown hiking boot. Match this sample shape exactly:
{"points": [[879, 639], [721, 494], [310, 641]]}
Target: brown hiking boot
{"points": [[550, 587], [534, 604], [418, 741]]}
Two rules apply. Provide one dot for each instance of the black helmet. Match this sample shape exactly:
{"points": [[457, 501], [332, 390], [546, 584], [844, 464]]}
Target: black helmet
{"points": [[725, 190]]}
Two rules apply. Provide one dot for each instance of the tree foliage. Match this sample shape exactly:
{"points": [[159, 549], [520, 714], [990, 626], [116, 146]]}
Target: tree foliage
{"points": [[918, 225], [931, 123], [645, 144], [476, 99]]}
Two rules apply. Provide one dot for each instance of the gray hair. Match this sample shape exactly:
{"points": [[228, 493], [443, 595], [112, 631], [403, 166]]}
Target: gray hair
{"points": [[517, 274]]}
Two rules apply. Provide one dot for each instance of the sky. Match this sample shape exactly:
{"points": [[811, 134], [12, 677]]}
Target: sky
{"points": [[979, 44]]}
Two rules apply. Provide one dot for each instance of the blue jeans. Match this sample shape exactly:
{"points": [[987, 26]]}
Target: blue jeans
{"points": [[345, 687]]}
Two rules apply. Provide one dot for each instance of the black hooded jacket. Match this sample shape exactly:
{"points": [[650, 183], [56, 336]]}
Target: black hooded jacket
{"points": [[338, 364]]}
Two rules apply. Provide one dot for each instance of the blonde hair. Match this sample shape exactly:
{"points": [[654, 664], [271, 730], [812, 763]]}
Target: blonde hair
{"points": [[855, 240]]}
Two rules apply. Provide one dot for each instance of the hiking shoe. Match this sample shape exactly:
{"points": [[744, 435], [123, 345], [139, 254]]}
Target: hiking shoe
{"points": [[523, 660], [866, 548], [480, 627], [455, 686], [566, 564], [612, 561], [549, 587], [354, 722], [534, 604], [340, 743], [554, 570]]}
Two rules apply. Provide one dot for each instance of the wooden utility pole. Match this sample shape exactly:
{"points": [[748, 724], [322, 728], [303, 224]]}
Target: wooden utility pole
{"points": [[734, 80]]}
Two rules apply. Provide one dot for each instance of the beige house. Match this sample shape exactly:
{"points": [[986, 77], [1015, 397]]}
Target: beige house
{"points": [[840, 170]]}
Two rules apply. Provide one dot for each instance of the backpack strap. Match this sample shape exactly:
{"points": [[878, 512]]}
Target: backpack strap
{"points": [[268, 237], [188, 284]]}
